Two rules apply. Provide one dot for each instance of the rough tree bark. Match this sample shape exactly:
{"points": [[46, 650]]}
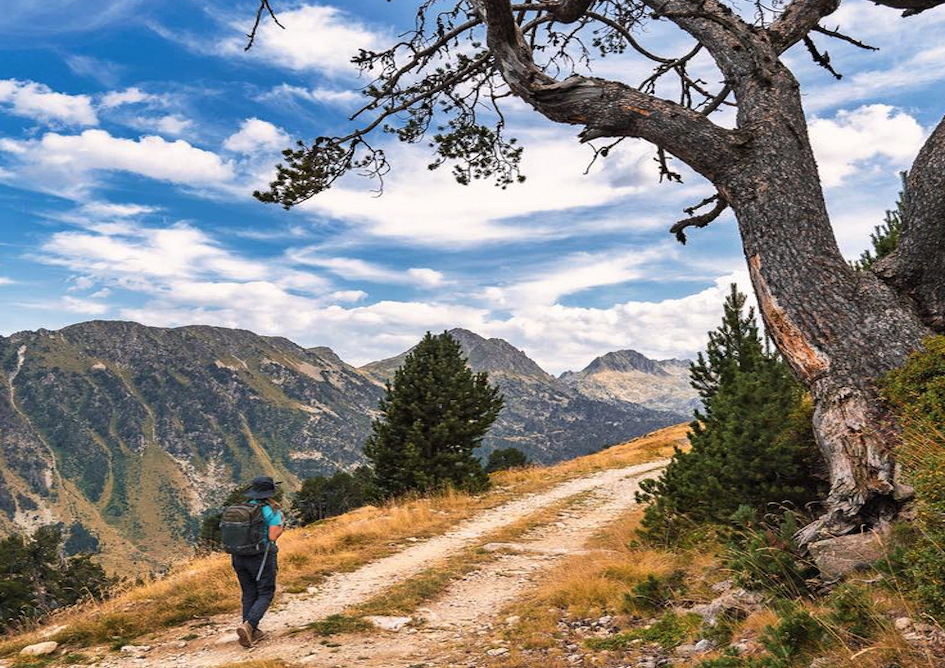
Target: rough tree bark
{"points": [[840, 329]]}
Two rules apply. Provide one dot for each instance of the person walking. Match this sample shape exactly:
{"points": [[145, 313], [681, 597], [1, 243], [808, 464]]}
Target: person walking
{"points": [[250, 531]]}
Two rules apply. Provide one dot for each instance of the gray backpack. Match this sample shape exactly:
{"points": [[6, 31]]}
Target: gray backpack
{"points": [[243, 529]]}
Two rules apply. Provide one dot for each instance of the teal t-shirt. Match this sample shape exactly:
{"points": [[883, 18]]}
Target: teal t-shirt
{"points": [[274, 518]]}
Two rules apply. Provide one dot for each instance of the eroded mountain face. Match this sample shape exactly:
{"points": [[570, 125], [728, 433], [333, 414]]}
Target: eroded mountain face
{"points": [[133, 431], [126, 433], [628, 376]]}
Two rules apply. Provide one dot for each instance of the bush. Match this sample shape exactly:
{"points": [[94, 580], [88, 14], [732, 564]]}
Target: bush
{"points": [[36, 577], [669, 631], [656, 592], [764, 557], [506, 458], [917, 393], [852, 613], [322, 497], [752, 444], [795, 637]]}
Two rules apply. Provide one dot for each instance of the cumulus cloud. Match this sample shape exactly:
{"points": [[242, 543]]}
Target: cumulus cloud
{"points": [[852, 139], [39, 102], [316, 38], [82, 306], [131, 256], [256, 136], [64, 163], [118, 98]]}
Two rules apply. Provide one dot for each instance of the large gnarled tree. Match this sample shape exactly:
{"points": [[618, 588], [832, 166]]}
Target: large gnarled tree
{"points": [[840, 329]]}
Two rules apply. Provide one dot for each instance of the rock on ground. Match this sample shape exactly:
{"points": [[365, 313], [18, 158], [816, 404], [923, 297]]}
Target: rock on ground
{"points": [[835, 557], [40, 649]]}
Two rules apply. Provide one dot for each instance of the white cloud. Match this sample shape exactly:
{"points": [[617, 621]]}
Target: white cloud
{"points": [[424, 207], [64, 163], [134, 95], [356, 269], [316, 38], [578, 272], [173, 124], [426, 277], [134, 256], [341, 97], [6, 281], [83, 306], [255, 136], [852, 139], [39, 102], [561, 337]]}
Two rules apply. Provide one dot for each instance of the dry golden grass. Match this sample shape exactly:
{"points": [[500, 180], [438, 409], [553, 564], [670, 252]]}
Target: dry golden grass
{"points": [[596, 583], [205, 586]]}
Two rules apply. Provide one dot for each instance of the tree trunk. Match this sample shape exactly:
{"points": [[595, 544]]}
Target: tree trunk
{"points": [[839, 329]]}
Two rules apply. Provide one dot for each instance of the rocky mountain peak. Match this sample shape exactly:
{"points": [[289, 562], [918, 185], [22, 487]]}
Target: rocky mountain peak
{"points": [[626, 360], [499, 357]]}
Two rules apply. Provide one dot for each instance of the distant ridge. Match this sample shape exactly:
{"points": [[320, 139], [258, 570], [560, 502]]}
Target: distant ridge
{"points": [[125, 434]]}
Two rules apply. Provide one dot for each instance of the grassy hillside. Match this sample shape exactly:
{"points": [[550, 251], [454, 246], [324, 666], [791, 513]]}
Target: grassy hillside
{"points": [[205, 586]]}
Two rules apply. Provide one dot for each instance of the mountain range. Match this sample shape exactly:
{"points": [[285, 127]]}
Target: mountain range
{"points": [[125, 434]]}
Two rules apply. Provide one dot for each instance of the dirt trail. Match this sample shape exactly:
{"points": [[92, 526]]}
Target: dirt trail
{"points": [[465, 609]]}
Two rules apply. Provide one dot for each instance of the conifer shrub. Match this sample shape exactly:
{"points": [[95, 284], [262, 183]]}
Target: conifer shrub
{"points": [[656, 591], [504, 459], [434, 415], [763, 555], [752, 441], [36, 576], [917, 392], [322, 497]]}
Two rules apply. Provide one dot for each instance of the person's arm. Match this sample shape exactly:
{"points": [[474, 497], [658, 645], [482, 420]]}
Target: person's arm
{"points": [[275, 530]]}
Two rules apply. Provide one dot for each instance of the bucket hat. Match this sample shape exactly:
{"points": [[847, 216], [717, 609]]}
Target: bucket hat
{"points": [[262, 487]]}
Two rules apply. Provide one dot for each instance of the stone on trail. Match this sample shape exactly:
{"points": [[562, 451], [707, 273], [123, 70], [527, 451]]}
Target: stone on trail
{"points": [[227, 639], [40, 649], [389, 623], [135, 651]]}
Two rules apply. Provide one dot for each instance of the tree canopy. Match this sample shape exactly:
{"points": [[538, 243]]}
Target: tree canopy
{"points": [[433, 416]]}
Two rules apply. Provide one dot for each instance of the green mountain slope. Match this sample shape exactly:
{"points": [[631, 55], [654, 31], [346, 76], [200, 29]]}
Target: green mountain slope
{"points": [[133, 431]]}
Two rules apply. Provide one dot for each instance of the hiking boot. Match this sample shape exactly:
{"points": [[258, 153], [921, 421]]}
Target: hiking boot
{"points": [[245, 633], [258, 635]]}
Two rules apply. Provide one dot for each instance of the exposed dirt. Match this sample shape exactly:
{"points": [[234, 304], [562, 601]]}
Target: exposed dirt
{"points": [[467, 608]]}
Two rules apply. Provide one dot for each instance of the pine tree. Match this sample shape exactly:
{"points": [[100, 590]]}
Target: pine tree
{"points": [[752, 442], [885, 237], [36, 576], [434, 414]]}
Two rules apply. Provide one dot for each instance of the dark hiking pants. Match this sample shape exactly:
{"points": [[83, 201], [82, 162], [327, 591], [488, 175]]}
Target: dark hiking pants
{"points": [[256, 595]]}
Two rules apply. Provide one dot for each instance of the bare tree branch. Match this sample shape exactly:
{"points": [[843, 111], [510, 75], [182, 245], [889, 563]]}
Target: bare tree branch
{"points": [[699, 220], [264, 6], [911, 7]]}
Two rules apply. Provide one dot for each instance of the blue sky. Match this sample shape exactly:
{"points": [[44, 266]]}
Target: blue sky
{"points": [[131, 138]]}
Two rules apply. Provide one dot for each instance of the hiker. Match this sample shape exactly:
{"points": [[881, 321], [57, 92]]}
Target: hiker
{"points": [[249, 532]]}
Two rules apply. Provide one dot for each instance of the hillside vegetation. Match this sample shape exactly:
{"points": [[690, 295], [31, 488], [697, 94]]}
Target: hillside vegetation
{"points": [[205, 586]]}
